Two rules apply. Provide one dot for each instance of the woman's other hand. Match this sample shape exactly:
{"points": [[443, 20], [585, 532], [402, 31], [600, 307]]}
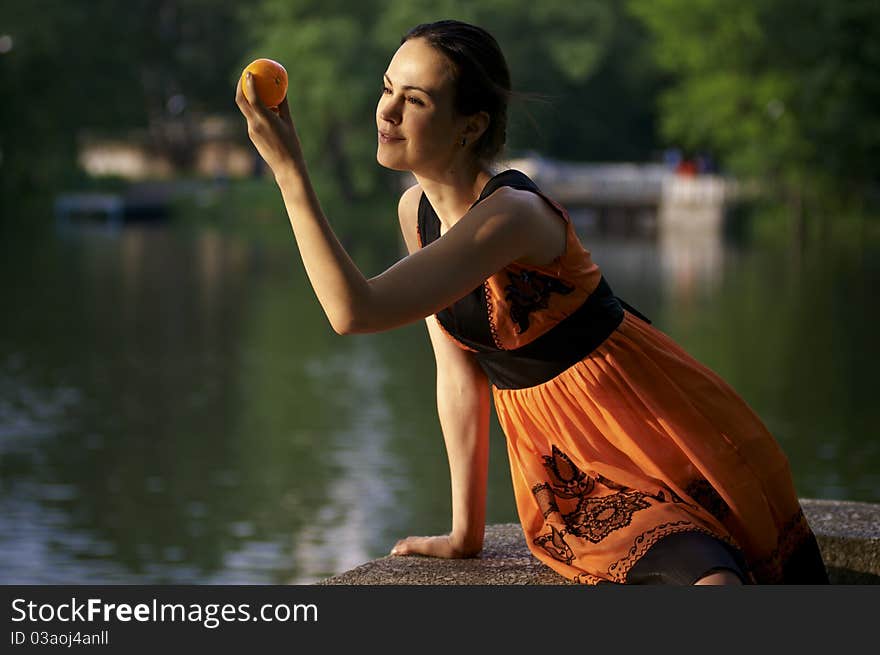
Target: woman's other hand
{"points": [[442, 546], [270, 129]]}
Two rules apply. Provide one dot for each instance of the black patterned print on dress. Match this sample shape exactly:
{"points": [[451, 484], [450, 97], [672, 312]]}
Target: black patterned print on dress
{"points": [[555, 545], [530, 291], [673, 497], [591, 518], [567, 479], [595, 519], [546, 499]]}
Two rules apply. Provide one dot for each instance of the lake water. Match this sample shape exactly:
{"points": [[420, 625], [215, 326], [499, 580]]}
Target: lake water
{"points": [[174, 407]]}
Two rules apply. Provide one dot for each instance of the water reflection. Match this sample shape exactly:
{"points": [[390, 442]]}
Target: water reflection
{"points": [[350, 526], [691, 264], [175, 408]]}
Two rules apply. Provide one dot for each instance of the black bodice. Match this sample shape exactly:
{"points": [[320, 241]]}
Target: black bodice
{"points": [[542, 359]]}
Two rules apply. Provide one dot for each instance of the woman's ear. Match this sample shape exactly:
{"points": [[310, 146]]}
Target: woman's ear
{"points": [[476, 125]]}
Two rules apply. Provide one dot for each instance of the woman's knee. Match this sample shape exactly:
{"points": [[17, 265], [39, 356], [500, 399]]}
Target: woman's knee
{"points": [[720, 577]]}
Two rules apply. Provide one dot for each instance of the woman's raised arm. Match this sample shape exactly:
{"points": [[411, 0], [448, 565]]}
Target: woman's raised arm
{"points": [[490, 236]]}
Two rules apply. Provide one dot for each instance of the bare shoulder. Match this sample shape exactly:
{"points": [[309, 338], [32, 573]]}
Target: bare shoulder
{"points": [[521, 202], [408, 214], [534, 216]]}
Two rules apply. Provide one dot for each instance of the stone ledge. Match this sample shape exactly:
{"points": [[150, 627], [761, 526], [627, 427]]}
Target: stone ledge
{"points": [[848, 534]]}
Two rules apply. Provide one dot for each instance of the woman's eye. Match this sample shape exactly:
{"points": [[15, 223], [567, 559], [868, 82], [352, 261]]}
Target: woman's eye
{"points": [[410, 99]]}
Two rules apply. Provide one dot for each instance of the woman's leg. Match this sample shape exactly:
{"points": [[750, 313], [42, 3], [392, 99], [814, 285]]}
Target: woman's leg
{"points": [[688, 558], [722, 577]]}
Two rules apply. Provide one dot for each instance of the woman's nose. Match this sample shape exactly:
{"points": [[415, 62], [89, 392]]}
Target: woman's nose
{"points": [[389, 110]]}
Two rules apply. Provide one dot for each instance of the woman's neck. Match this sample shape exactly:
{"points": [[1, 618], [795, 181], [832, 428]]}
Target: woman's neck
{"points": [[452, 193]]}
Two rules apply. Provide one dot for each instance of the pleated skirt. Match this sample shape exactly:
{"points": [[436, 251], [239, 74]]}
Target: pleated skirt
{"points": [[638, 442]]}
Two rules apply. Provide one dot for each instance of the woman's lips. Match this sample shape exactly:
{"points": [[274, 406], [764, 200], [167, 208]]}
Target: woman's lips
{"points": [[385, 138]]}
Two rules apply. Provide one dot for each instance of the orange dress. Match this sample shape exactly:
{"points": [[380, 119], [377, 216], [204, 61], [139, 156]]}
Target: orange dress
{"points": [[617, 438]]}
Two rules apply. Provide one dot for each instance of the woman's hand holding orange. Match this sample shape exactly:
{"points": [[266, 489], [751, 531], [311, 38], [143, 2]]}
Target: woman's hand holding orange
{"points": [[270, 129]]}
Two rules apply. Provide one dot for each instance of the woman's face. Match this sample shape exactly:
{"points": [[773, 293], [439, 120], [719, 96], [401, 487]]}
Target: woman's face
{"points": [[419, 129]]}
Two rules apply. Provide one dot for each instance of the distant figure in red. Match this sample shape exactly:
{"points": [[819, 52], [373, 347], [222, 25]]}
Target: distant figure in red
{"points": [[686, 168]]}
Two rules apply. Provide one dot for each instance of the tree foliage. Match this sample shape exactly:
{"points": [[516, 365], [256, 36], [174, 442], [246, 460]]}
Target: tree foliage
{"points": [[781, 90]]}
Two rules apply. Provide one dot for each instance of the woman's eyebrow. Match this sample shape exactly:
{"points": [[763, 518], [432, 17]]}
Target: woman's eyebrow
{"points": [[410, 86]]}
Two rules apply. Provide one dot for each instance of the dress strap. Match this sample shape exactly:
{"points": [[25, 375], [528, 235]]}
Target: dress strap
{"points": [[512, 178], [632, 310], [428, 223]]}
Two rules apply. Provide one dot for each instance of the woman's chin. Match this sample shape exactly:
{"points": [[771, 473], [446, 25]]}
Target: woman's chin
{"points": [[391, 163]]}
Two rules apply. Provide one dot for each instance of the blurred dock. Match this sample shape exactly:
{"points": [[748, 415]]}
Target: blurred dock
{"points": [[71, 205], [630, 198], [140, 202]]}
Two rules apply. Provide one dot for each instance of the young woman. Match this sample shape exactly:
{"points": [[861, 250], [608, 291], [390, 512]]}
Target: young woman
{"points": [[631, 462]]}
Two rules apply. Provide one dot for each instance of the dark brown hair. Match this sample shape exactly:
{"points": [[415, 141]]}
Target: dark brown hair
{"points": [[482, 80]]}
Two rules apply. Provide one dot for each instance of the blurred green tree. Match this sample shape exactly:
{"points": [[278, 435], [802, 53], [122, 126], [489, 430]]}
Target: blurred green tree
{"points": [[784, 92]]}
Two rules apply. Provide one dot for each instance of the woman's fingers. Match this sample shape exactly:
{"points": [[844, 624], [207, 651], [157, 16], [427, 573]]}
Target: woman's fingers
{"points": [[241, 100], [406, 546], [256, 108], [249, 108], [400, 548], [430, 546], [257, 102]]}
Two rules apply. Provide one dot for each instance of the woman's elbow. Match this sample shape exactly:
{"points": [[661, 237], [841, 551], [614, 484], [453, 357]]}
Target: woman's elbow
{"points": [[362, 320], [343, 322], [345, 326], [352, 322]]}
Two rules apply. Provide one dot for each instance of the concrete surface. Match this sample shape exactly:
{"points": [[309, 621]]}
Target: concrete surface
{"points": [[848, 534]]}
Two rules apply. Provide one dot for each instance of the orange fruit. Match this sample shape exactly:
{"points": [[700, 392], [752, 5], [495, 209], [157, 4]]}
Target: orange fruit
{"points": [[270, 80]]}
